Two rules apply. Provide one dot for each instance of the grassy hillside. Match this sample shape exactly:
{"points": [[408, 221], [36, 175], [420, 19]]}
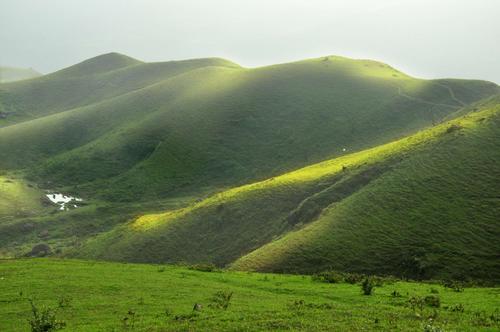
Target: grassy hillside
{"points": [[86, 83], [137, 139], [423, 207], [93, 296], [11, 74], [18, 198], [125, 130]]}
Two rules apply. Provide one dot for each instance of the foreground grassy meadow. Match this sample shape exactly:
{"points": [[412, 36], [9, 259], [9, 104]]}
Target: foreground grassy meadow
{"points": [[99, 296]]}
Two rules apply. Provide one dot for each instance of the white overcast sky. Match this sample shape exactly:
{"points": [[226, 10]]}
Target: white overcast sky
{"points": [[425, 38]]}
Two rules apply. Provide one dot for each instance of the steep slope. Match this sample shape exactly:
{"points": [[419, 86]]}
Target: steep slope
{"points": [[436, 214], [12, 74], [425, 206], [209, 124]]}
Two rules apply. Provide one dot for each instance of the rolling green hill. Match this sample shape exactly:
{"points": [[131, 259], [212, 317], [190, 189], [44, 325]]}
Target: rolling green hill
{"points": [[425, 206], [91, 81], [122, 130], [12, 74], [203, 161]]}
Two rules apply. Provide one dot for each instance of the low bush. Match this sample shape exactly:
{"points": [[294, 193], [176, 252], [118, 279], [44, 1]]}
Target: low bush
{"points": [[44, 319], [432, 301], [456, 308], [221, 300], [207, 267], [454, 285], [331, 277], [367, 286], [416, 303]]}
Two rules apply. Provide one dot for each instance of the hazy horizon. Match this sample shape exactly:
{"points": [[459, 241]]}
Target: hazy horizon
{"points": [[427, 39]]}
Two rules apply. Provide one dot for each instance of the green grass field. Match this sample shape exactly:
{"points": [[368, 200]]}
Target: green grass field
{"points": [[98, 296]]}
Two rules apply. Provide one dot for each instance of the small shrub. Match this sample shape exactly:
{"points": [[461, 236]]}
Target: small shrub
{"points": [[64, 302], [40, 250], [352, 278], [221, 300], [454, 285], [456, 308], [434, 291], [367, 286], [161, 268], [416, 303], [44, 319], [432, 301], [208, 267], [330, 277], [395, 293]]}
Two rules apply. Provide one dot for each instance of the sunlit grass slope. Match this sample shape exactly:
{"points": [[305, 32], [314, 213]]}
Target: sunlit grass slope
{"points": [[424, 207], [11, 74], [18, 198], [434, 214], [123, 130], [97, 296]]}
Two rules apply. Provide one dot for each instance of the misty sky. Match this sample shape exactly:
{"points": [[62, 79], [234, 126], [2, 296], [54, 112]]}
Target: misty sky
{"points": [[425, 38]]}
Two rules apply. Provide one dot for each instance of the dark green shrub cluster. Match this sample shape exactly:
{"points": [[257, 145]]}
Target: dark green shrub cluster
{"points": [[456, 308], [352, 278], [367, 286], [64, 302], [204, 267], [334, 277], [331, 277], [454, 285], [221, 300], [432, 301], [44, 319], [416, 303]]}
